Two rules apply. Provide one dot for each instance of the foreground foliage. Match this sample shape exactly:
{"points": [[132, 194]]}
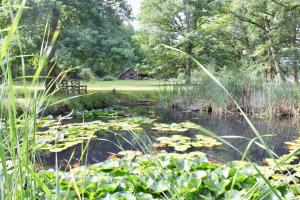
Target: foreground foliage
{"points": [[165, 176]]}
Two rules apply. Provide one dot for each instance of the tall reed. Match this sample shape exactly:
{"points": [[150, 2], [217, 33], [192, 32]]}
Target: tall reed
{"points": [[18, 156], [254, 96]]}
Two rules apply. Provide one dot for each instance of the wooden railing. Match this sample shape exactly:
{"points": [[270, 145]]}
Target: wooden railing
{"points": [[72, 86]]}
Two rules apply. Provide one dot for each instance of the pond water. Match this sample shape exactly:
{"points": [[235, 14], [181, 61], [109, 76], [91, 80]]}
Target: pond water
{"points": [[108, 144]]}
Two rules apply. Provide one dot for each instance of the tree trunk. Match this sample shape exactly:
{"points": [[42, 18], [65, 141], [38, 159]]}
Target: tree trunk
{"points": [[295, 73], [294, 50], [294, 65], [270, 73], [270, 70], [277, 66], [188, 73], [188, 66], [273, 52], [51, 71]]}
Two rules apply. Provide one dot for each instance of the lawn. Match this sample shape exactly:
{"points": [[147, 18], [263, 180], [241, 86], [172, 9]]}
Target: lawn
{"points": [[125, 85], [119, 85]]}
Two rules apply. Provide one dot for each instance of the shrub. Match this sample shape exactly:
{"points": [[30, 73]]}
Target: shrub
{"points": [[86, 74], [108, 78]]}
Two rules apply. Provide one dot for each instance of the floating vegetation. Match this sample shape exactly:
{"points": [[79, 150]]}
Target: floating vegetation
{"points": [[129, 154], [284, 162], [139, 120], [262, 116], [157, 177], [292, 146], [100, 113], [57, 141], [183, 143], [175, 127], [61, 137], [46, 123]]}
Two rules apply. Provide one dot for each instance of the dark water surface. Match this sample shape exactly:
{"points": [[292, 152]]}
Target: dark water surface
{"points": [[108, 144]]}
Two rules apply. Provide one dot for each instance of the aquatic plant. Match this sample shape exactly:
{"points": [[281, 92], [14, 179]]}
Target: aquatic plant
{"points": [[295, 145], [175, 127], [61, 137], [183, 143], [99, 113], [263, 99], [157, 177]]}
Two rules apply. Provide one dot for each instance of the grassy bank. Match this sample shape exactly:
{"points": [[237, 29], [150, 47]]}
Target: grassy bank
{"points": [[63, 104], [100, 94]]}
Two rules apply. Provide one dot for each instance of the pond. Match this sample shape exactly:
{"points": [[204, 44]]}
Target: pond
{"points": [[108, 143]]}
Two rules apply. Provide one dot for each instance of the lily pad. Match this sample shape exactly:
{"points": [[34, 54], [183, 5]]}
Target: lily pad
{"points": [[182, 143], [292, 146], [174, 127]]}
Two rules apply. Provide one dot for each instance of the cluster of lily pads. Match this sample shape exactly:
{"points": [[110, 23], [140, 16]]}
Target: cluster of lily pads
{"points": [[100, 113], [175, 127], [292, 146], [183, 143], [166, 176], [287, 166], [61, 137]]}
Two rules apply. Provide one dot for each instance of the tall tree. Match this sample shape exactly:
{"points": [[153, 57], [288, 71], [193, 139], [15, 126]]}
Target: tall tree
{"points": [[175, 23], [93, 34]]}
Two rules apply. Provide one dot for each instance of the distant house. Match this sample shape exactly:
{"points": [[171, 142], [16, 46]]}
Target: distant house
{"points": [[129, 73]]}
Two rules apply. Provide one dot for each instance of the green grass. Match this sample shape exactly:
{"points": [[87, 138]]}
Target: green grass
{"points": [[125, 85], [122, 85]]}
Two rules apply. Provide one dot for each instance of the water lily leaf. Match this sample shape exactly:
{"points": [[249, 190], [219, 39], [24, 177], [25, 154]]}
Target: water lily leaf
{"points": [[144, 196], [181, 147], [182, 165], [282, 163], [182, 143], [130, 154], [108, 165], [99, 113], [190, 125], [107, 185], [139, 120], [190, 182], [174, 127], [124, 195], [292, 146], [62, 146], [160, 186], [169, 127], [215, 184], [235, 194]]}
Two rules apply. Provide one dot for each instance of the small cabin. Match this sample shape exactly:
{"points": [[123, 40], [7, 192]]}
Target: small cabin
{"points": [[129, 74]]}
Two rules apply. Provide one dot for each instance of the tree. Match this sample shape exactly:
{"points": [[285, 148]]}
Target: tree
{"points": [[268, 23], [260, 37], [93, 34], [174, 23]]}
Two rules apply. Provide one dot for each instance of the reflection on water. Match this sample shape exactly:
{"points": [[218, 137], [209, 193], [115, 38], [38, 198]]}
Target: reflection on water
{"points": [[110, 143]]}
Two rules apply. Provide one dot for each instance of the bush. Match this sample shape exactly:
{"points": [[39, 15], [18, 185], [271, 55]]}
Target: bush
{"points": [[108, 78], [86, 74]]}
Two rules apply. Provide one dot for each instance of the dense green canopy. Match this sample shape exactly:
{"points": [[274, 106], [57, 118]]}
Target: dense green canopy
{"points": [[260, 37], [93, 34], [255, 37]]}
